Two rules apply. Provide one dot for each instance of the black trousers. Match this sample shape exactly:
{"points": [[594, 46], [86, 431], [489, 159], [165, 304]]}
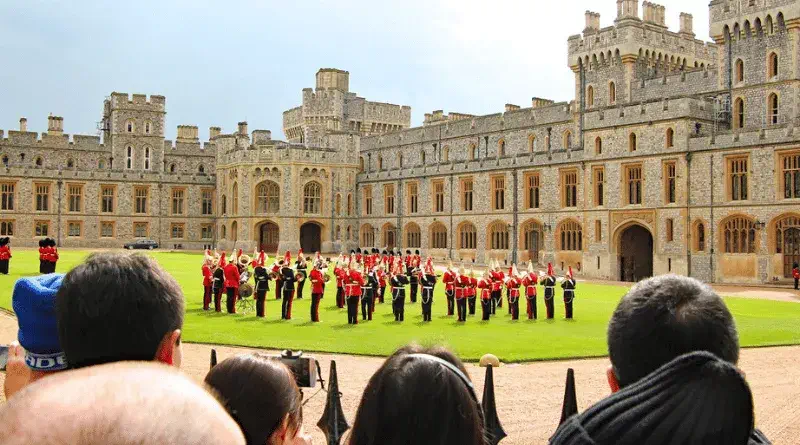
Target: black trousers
{"points": [[340, 297], [352, 309], [367, 304], [414, 286], [206, 297], [315, 306], [42, 267], [549, 302], [569, 297], [513, 304], [261, 297], [381, 293], [497, 300], [217, 291], [278, 287], [4, 267], [531, 307], [230, 301], [300, 286], [486, 308], [286, 304], [49, 267], [461, 304], [451, 302], [796, 283], [471, 304], [508, 298], [399, 304]]}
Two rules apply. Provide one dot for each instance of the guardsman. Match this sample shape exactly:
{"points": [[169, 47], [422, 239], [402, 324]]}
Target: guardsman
{"points": [[796, 275], [497, 286], [381, 274], [261, 282], [462, 283], [428, 280], [549, 283], [42, 256], [301, 267], [317, 289], [276, 272], [485, 285], [398, 281], [568, 285], [449, 280], [218, 283], [5, 254], [288, 278], [512, 283], [413, 278], [231, 272], [208, 279], [339, 272], [368, 294], [352, 291], [52, 255], [529, 281], [471, 292], [359, 257]]}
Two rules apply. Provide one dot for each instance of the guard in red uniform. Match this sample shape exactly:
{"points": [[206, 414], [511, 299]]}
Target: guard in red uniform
{"points": [[381, 274], [52, 255], [462, 283], [317, 277], [549, 283], [5, 254], [497, 287], [208, 279], [352, 291], [449, 280], [340, 274], [276, 272], [512, 284], [42, 256], [471, 292], [796, 275], [485, 285], [231, 271], [529, 281]]}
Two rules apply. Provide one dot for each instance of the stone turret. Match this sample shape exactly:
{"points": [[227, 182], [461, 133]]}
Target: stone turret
{"points": [[687, 25], [592, 21], [213, 132], [23, 124], [55, 125], [243, 128]]}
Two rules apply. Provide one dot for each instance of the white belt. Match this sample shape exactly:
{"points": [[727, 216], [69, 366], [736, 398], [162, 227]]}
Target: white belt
{"points": [[427, 287]]}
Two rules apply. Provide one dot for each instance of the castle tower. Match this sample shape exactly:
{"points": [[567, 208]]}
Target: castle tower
{"points": [[133, 126]]}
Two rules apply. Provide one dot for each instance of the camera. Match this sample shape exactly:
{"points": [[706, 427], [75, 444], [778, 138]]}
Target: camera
{"points": [[304, 369], [3, 357]]}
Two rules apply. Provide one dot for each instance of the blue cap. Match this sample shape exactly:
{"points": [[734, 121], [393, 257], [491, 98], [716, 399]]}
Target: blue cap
{"points": [[34, 301]]}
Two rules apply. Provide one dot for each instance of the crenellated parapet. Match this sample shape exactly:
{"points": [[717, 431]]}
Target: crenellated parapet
{"points": [[756, 18]]}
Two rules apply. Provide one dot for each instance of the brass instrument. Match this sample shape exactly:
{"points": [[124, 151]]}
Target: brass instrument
{"points": [[326, 278], [274, 275], [299, 277], [245, 260]]}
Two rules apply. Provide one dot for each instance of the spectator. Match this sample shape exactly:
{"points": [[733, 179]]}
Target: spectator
{"points": [[696, 398], [662, 318], [38, 353], [116, 404], [262, 397], [419, 396], [119, 307]]}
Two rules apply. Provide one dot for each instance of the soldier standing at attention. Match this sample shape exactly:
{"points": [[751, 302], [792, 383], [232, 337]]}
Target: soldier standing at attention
{"points": [[512, 284], [471, 292], [497, 287], [529, 281], [549, 283], [428, 281], [339, 273], [796, 275], [569, 293], [485, 285], [412, 277], [261, 282], [462, 283], [301, 267], [276, 269], [208, 279], [287, 287], [449, 279], [381, 273], [5, 255], [42, 256], [231, 272], [352, 289], [218, 284], [398, 282], [368, 294], [317, 289]]}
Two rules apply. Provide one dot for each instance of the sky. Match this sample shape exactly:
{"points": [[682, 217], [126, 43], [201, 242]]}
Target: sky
{"points": [[218, 62]]}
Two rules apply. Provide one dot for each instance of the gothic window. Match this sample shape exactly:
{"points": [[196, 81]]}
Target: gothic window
{"points": [[468, 236], [598, 146], [590, 96], [739, 235], [772, 66], [738, 178], [438, 236], [498, 236], [501, 148], [413, 236], [129, 157], [147, 158], [567, 140], [632, 142], [739, 75], [235, 199], [570, 236], [268, 197], [670, 138], [633, 178], [790, 166], [772, 109], [612, 93], [738, 113]]}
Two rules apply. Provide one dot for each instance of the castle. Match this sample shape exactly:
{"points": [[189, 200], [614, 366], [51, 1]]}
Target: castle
{"points": [[675, 155]]}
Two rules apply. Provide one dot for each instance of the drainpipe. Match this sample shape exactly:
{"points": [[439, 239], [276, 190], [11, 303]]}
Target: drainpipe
{"points": [[515, 219], [688, 209], [712, 242], [333, 208], [58, 229]]}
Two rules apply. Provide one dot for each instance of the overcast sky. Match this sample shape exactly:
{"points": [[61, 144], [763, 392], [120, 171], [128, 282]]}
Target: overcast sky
{"points": [[221, 62]]}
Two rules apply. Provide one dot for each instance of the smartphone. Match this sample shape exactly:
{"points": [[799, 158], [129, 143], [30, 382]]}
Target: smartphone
{"points": [[3, 357]]}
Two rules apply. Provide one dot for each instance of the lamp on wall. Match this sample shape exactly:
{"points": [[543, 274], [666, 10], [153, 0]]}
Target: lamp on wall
{"points": [[760, 225], [547, 227]]}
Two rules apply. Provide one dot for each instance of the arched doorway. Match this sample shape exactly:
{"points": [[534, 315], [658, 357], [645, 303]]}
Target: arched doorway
{"points": [[269, 236], [310, 237], [787, 242], [635, 254]]}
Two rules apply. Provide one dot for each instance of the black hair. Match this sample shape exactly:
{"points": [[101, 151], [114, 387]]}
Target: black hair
{"points": [[258, 392], [664, 317], [411, 400], [116, 307]]}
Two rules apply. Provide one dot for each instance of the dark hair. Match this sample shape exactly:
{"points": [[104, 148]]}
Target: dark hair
{"points": [[116, 307], [664, 317], [258, 392], [413, 400]]}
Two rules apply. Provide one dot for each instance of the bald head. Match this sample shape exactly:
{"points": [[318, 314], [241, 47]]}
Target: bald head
{"points": [[117, 404]]}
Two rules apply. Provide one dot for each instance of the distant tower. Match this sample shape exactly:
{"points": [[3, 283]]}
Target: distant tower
{"points": [[133, 127]]}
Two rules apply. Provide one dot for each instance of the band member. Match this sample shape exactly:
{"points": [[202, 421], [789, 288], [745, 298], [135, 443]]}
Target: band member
{"points": [[231, 272], [218, 283], [368, 294], [341, 275], [549, 283], [462, 282], [529, 281], [359, 257], [512, 285], [52, 255], [471, 291], [428, 280], [5, 255], [412, 277], [352, 291], [449, 280], [317, 289], [398, 281], [276, 272], [287, 289], [485, 285], [497, 287], [208, 279], [262, 282], [568, 285], [301, 266], [381, 274], [796, 275]]}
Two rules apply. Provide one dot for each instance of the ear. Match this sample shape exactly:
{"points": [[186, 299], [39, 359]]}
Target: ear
{"points": [[169, 349], [613, 383], [281, 434]]}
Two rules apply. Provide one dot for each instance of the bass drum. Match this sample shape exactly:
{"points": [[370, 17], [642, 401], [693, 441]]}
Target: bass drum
{"points": [[245, 290]]}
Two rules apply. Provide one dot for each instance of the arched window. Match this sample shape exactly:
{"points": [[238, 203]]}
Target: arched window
{"points": [[438, 236], [700, 237], [472, 152], [501, 147], [146, 165], [338, 204], [739, 235], [5, 160], [498, 236], [129, 157], [338, 233], [349, 204], [446, 154], [38, 161], [201, 169], [367, 236], [738, 113], [413, 236], [422, 157], [349, 233], [147, 127], [234, 231], [172, 168], [570, 236], [361, 164], [768, 25], [772, 109], [567, 140], [531, 143], [532, 235], [312, 198], [268, 197], [612, 92], [467, 236], [235, 199], [101, 164], [598, 146], [129, 127], [223, 232], [670, 138], [632, 142], [380, 163], [399, 160], [772, 66], [70, 163], [590, 96], [739, 75], [223, 204], [390, 237]]}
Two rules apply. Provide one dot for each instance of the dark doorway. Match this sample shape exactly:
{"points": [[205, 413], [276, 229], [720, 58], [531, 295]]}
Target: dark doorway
{"points": [[791, 250], [532, 244], [269, 236], [310, 237], [635, 254]]}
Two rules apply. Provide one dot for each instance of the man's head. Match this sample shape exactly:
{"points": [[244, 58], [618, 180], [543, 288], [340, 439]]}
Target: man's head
{"points": [[117, 404], [662, 318], [119, 307]]}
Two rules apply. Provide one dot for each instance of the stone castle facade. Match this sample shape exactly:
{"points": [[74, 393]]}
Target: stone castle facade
{"points": [[675, 155]]}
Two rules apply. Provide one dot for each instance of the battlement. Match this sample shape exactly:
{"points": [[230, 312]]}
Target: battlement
{"points": [[187, 133], [758, 18], [58, 140], [649, 111], [107, 175], [438, 117], [142, 101], [685, 83], [777, 134]]}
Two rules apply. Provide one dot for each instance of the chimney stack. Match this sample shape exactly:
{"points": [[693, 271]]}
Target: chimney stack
{"points": [[213, 132], [23, 124], [512, 107], [538, 102], [687, 25], [187, 132], [243, 128], [55, 125], [592, 21]]}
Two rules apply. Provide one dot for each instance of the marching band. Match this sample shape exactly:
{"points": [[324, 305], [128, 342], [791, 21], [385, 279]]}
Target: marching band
{"points": [[361, 281]]}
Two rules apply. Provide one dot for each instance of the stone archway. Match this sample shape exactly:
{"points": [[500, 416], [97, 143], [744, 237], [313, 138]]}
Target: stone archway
{"points": [[635, 253], [268, 237], [311, 237]]}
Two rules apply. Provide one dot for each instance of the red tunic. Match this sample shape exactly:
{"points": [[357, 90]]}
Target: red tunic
{"points": [[529, 282], [43, 254], [461, 286], [352, 287], [317, 282], [207, 276], [513, 287], [796, 273], [52, 255], [381, 278], [231, 272], [473, 282], [485, 285], [5, 253], [497, 280], [338, 272], [448, 278]]}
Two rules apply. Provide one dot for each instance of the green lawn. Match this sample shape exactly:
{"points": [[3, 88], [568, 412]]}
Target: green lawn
{"points": [[760, 322]]}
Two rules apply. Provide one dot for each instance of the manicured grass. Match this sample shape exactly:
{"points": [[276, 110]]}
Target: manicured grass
{"points": [[760, 322]]}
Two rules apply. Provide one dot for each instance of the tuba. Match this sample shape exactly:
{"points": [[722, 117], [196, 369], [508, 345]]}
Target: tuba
{"points": [[245, 260]]}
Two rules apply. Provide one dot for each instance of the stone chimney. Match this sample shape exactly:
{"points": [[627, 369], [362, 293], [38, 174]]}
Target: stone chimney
{"points": [[187, 133], [687, 25], [592, 21], [213, 132], [243, 128], [538, 102], [23, 124], [55, 125], [261, 136], [627, 9], [512, 107]]}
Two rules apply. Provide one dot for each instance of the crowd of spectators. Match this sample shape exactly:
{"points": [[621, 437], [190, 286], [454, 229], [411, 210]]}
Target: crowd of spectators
{"points": [[90, 368]]}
